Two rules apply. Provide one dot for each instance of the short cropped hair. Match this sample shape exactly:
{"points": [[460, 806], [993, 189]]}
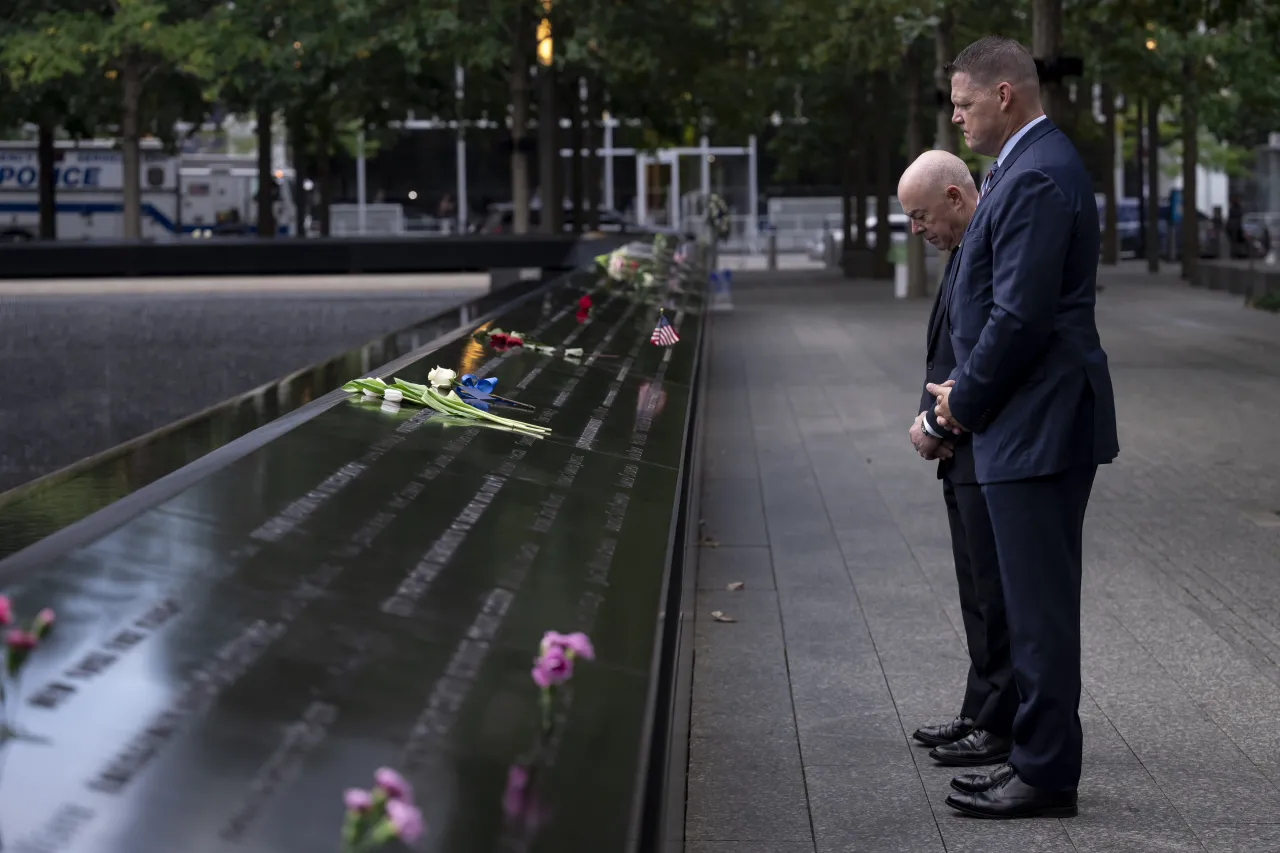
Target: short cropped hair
{"points": [[992, 60]]}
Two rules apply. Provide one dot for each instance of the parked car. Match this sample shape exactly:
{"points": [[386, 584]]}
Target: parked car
{"points": [[1257, 240], [1130, 230], [898, 224]]}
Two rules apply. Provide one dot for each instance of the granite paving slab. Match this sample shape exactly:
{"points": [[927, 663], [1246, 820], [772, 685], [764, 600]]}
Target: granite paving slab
{"points": [[814, 381]]}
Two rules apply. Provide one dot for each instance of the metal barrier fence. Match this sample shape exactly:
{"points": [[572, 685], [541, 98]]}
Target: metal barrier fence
{"points": [[794, 233]]}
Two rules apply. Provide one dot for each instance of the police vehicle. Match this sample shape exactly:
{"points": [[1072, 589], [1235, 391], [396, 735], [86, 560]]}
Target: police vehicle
{"points": [[187, 196]]}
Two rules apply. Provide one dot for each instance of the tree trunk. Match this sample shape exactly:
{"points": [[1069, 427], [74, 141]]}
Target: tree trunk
{"points": [[846, 201], [266, 180], [1110, 233], [592, 142], [944, 133], [1139, 159], [854, 251], [1046, 45], [575, 141], [1153, 186], [297, 130], [1190, 159], [131, 155], [549, 186], [884, 178], [861, 192], [917, 282], [324, 164], [943, 52], [519, 84], [47, 161], [861, 170]]}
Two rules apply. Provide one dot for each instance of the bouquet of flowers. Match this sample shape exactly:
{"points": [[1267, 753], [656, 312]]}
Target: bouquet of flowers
{"points": [[376, 816], [447, 395], [500, 341], [19, 644], [553, 666], [638, 264]]}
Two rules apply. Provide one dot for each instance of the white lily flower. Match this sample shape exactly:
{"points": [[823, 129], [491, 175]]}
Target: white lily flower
{"points": [[442, 377], [394, 395]]}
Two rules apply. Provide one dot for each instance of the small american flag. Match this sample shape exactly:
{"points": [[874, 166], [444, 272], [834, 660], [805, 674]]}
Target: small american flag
{"points": [[664, 335]]}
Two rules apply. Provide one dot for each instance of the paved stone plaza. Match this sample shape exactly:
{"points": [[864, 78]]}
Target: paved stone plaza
{"points": [[848, 631]]}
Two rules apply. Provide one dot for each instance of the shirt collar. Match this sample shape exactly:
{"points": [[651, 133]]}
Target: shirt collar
{"points": [[1016, 138]]}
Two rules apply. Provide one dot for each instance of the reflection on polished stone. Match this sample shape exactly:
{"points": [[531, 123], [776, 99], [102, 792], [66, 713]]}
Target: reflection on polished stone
{"points": [[30, 513], [370, 589]]}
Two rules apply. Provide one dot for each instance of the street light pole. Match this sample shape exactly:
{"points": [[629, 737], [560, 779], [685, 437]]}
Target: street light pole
{"points": [[548, 128]]}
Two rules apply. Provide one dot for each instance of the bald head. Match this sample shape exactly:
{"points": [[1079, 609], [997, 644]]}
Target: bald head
{"points": [[939, 197], [934, 171]]}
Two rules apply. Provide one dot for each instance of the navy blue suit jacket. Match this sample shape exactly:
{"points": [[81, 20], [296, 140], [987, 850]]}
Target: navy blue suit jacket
{"points": [[1032, 382]]}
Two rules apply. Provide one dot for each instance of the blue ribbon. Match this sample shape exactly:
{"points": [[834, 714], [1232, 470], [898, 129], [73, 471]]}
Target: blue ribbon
{"points": [[474, 392], [484, 386]]}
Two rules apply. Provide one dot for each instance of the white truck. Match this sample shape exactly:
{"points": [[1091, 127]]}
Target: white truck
{"points": [[185, 196]]}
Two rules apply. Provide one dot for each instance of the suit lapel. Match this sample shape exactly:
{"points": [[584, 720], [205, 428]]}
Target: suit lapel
{"points": [[943, 298]]}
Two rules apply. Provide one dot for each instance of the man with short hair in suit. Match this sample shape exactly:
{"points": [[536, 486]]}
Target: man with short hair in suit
{"points": [[1034, 390], [938, 194]]}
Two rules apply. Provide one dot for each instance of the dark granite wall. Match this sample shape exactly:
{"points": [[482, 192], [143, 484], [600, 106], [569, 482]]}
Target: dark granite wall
{"points": [[80, 374]]}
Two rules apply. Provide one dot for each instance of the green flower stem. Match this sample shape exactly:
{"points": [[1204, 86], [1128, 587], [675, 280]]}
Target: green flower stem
{"points": [[424, 395], [377, 386], [458, 407]]}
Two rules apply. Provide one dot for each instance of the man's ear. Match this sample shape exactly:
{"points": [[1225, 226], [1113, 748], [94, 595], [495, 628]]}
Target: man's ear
{"points": [[955, 199], [1004, 92]]}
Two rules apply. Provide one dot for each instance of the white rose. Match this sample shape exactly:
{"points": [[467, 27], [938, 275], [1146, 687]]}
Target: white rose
{"points": [[617, 265], [442, 377], [394, 395]]}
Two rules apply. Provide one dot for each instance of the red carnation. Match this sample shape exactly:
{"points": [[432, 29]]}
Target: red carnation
{"points": [[584, 304], [513, 341]]}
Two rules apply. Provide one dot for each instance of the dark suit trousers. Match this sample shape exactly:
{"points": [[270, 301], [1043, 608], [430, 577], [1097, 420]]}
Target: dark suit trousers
{"points": [[1039, 526], [990, 697]]}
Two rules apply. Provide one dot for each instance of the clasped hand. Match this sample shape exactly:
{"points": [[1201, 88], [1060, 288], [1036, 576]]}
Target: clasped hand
{"points": [[942, 393], [927, 446]]}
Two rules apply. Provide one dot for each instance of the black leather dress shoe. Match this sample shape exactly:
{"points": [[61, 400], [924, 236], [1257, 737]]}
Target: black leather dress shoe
{"points": [[1012, 798], [974, 749], [944, 733], [973, 783]]}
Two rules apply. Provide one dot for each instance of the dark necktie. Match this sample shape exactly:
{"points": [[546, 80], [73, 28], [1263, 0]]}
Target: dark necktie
{"points": [[986, 185]]}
